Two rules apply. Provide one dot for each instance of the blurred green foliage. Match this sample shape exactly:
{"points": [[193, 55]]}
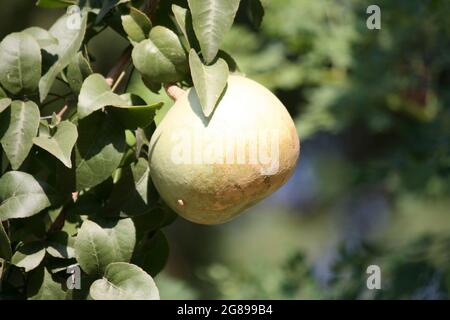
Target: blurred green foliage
{"points": [[373, 186]]}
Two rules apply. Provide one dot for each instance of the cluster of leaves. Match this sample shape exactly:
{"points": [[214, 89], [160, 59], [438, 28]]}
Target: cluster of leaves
{"points": [[75, 189]]}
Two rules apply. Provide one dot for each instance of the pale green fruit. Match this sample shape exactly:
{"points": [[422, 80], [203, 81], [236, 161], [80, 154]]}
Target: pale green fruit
{"points": [[209, 170]]}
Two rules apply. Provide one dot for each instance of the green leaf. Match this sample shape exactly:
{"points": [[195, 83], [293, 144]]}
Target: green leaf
{"points": [[42, 286], [21, 122], [122, 235], [93, 248], [161, 58], [29, 256], [137, 25], [136, 114], [130, 195], [42, 36], [20, 67], [4, 103], [211, 20], [60, 245], [21, 195], [95, 94], [209, 81], [152, 253], [180, 14], [5, 244], [69, 41], [99, 149], [124, 281], [255, 11], [55, 3], [137, 86], [183, 19], [77, 71], [61, 143]]}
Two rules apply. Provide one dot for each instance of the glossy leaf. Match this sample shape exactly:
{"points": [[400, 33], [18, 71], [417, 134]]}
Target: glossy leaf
{"points": [[20, 67], [61, 143], [5, 244], [99, 149], [21, 122], [21, 195], [70, 36], [209, 81], [95, 94], [137, 25], [93, 248], [211, 20], [29, 256], [161, 58], [124, 281]]}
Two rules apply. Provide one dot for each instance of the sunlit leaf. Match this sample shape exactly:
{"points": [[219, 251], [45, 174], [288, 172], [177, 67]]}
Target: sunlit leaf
{"points": [[61, 143], [70, 36], [161, 58], [20, 122], [93, 248], [21, 195], [211, 20], [209, 81], [124, 281], [20, 67], [95, 94], [29, 256], [42, 286], [137, 25]]}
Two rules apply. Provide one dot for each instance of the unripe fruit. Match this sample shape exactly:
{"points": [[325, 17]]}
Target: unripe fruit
{"points": [[209, 170]]}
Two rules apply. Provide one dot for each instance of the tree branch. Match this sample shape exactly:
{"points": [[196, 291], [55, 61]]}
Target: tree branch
{"points": [[120, 67]]}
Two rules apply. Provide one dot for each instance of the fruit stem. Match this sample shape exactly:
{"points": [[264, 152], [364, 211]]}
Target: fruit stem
{"points": [[173, 91]]}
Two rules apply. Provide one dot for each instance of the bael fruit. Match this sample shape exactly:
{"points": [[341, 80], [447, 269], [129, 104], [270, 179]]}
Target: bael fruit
{"points": [[209, 170]]}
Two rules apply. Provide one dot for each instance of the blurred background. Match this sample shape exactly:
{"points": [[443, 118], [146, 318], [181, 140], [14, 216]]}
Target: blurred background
{"points": [[372, 109]]}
